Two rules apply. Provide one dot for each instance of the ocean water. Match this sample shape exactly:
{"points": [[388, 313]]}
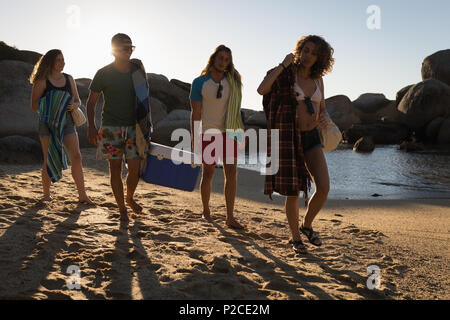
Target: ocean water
{"points": [[388, 172]]}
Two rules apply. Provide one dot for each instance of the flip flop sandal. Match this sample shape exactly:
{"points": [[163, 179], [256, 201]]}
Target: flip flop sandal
{"points": [[299, 247], [313, 237]]}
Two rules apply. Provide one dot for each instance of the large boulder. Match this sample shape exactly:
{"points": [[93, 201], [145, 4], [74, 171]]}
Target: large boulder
{"points": [[158, 110], [437, 66], [20, 150], [15, 92], [444, 132], [424, 102], [83, 91], [342, 111], [411, 146], [381, 132], [171, 95], [364, 144], [368, 105], [370, 102], [401, 93], [175, 120], [183, 85], [11, 53], [390, 113], [433, 128], [246, 113], [257, 119]]}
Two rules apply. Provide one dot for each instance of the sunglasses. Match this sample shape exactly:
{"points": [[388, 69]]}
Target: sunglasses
{"points": [[309, 105], [219, 91], [126, 48]]}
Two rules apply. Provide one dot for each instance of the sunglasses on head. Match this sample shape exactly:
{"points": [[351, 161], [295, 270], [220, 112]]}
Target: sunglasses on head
{"points": [[219, 91]]}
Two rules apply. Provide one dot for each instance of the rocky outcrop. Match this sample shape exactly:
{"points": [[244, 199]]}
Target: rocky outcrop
{"points": [[15, 91], [401, 93], [171, 95], [11, 53], [368, 106], [342, 111], [444, 132], [437, 66], [411, 146], [174, 120], [433, 128], [257, 119], [20, 150], [381, 132], [83, 91], [183, 85], [364, 144], [370, 102], [424, 102], [390, 113]]}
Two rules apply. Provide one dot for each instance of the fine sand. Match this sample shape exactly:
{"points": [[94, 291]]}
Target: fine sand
{"points": [[169, 252]]}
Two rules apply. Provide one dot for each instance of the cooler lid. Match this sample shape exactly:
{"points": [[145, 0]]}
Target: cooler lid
{"points": [[178, 156]]}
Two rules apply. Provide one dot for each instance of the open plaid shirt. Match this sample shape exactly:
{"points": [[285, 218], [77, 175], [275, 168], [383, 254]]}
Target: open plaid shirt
{"points": [[280, 108]]}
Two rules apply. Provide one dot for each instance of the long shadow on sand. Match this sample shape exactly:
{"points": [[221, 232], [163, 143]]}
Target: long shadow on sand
{"points": [[34, 269], [121, 274], [16, 246], [149, 284], [305, 282]]}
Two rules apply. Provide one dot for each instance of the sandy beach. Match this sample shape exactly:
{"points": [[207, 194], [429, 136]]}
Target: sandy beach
{"points": [[169, 252]]}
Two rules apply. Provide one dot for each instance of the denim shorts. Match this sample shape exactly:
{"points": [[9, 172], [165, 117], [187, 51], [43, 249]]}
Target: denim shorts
{"points": [[69, 128], [311, 139]]}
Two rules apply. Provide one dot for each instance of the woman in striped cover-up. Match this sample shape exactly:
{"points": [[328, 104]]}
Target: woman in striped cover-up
{"points": [[46, 77]]}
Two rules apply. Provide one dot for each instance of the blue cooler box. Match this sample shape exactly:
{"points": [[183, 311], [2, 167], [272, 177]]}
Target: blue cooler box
{"points": [[161, 170]]}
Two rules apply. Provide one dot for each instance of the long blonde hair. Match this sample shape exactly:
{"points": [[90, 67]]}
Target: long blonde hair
{"points": [[44, 66], [230, 70]]}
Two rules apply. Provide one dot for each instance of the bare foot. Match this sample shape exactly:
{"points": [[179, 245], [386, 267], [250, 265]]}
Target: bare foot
{"points": [[134, 206], [207, 216], [234, 224], [86, 200], [124, 216], [46, 198]]}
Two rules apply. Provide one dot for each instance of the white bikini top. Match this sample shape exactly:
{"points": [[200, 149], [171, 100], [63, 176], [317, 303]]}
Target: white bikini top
{"points": [[300, 95]]}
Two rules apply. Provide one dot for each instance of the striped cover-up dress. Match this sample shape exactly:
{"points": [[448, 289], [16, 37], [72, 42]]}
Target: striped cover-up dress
{"points": [[53, 112]]}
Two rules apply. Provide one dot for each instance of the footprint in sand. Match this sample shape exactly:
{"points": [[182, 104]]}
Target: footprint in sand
{"points": [[221, 265], [74, 247], [160, 202], [166, 238], [200, 266], [165, 220], [253, 235], [108, 205], [279, 284]]}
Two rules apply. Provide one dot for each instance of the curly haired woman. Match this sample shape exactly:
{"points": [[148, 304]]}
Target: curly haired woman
{"points": [[294, 104]]}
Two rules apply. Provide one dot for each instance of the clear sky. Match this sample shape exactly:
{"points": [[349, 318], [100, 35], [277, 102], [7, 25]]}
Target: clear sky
{"points": [[176, 37]]}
